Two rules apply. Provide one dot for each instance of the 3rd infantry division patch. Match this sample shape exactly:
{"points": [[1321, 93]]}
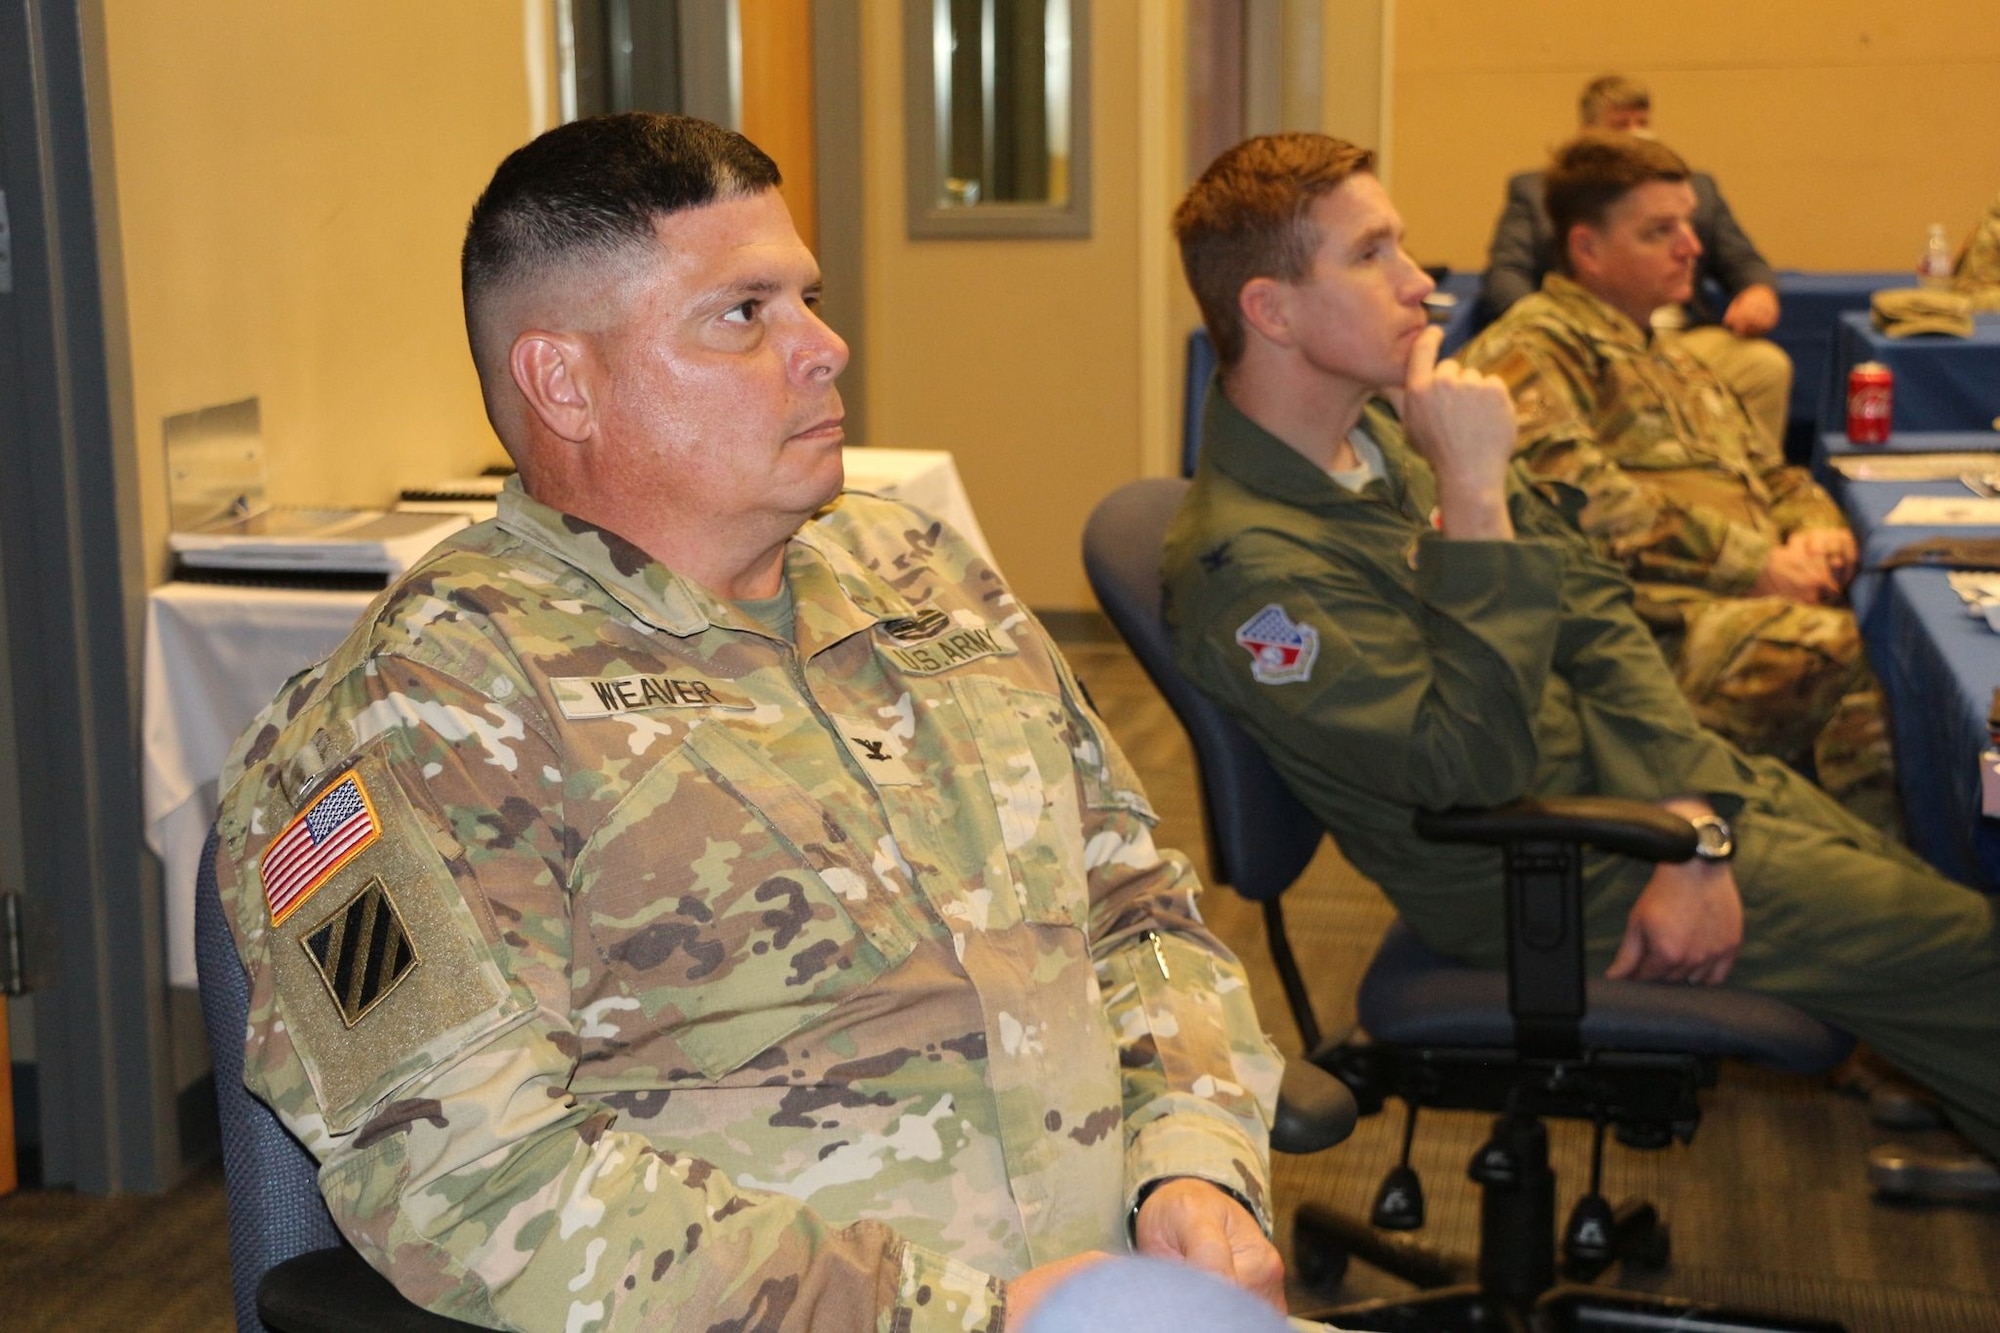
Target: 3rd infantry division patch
{"points": [[362, 951]]}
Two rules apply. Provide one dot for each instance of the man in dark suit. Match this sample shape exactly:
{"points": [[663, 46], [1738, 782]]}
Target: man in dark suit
{"points": [[1732, 343]]}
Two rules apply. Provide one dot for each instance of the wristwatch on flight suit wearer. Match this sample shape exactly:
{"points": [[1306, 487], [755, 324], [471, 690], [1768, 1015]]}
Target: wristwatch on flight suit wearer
{"points": [[1712, 839]]}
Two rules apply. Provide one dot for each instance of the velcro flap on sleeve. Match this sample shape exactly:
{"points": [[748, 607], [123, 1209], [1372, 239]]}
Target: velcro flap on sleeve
{"points": [[380, 968]]}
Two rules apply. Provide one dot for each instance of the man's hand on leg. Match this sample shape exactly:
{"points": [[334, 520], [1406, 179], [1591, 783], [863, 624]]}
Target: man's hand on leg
{"points": [[1688, 921], [1194, 1221]]}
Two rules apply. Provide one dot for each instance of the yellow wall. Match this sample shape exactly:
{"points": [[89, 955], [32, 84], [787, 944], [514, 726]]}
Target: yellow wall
{"points": [[778, 100], [293, 182], [1837, 128], [293, 178], [1050, 367]]}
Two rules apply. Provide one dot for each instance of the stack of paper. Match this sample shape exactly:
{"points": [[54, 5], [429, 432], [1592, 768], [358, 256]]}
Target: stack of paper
{"points": [[347, 541]]}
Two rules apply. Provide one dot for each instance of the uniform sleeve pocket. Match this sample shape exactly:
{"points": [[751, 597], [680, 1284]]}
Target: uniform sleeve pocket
{"points": [[379, 967], [1026, 741]]}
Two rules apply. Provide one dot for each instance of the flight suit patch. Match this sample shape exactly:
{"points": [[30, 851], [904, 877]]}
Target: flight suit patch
{"points": [[362, 951], [1281, 649], [581, 697]]}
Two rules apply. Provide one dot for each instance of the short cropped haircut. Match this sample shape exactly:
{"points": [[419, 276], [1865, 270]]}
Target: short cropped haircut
{"points": [[1250, 216], [1611, 92], [592, 189], [1594, 171]]}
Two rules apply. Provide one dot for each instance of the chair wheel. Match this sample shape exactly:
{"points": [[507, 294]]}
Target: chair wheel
{"points": [[1651, 1248], [1319, 1255]]}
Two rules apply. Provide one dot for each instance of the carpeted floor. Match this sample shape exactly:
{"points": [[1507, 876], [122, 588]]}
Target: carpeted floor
{"points": [[137, 1263], [1769, 1206]]}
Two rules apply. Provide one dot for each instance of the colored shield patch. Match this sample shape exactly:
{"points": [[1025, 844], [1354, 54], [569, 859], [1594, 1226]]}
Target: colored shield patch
{"points": [[1281, 649]]}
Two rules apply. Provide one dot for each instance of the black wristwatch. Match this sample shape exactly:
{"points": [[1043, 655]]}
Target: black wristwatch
{"points": [[1712, 839]]}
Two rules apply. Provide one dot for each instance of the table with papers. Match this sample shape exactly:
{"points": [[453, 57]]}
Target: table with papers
{"points": [[217, 653], [1907, 491], [1937, 658]]}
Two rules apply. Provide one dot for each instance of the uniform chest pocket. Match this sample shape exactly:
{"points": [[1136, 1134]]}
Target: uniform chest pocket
{"points": [[731, 907], [1654, 443], [1025, 740]]}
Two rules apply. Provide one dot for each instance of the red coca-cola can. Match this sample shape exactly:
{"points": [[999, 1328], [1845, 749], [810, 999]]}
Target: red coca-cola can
{"points": [[1871, 390]]}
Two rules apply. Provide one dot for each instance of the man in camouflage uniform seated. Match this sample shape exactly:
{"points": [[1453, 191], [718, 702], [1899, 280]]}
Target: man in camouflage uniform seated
{"points": [[699, 898], [1742, 562], [1732, 342]]}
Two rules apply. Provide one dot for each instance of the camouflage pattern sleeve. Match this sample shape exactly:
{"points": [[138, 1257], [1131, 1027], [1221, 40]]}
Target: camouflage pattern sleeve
{"points": [[1200, 1077], [1798, 502], [454, 1155], [1653, 533]]}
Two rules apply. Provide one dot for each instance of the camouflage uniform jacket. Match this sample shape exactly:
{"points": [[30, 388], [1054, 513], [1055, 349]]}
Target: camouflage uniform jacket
{"points": [[1684, 492], [626, 966], [1386, 670]]}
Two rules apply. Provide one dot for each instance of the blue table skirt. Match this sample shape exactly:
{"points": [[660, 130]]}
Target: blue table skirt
{"points": [[1810, 306], [1942, 382], [1833, 443], [1939, 666]]}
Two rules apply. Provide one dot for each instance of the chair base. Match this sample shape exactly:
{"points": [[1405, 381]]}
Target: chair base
{"points": [[335, 1291], [1560, 1310], [1515, 1286]]}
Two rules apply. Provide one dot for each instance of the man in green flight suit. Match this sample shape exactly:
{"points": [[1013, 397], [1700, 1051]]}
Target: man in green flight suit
{"points": [[1741, 562], [699, 898], [1362, 577]]}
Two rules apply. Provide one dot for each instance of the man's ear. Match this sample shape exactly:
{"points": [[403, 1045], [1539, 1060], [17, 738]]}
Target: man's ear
{"points": [[1266, 306], [552, 372], [1584, 246]]}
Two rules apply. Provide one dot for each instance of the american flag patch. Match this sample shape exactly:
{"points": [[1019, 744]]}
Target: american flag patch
{"points": [[325, 836]]}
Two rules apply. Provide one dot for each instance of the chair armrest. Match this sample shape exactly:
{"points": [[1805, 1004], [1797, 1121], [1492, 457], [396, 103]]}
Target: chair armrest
{"points": [[1541, 844], [1637, 829], [1315, 1110], [335, 1291]]}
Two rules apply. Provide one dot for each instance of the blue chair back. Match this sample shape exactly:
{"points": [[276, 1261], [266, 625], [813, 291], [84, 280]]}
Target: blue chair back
{"points": [[275, 1209], [1260, 838], [1201, 361]]}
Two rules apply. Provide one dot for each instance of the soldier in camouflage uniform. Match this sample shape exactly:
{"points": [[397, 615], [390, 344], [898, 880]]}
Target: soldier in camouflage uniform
{"points": [[1731, 342], [1741, 562], [671, 908]]}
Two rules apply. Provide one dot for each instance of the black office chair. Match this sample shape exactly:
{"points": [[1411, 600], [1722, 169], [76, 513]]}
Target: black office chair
{"points": [[290, 1269], [1538, 1039]]}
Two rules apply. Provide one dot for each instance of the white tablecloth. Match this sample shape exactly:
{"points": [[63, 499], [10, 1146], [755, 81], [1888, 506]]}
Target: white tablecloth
{"points": [[216, 654]]}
